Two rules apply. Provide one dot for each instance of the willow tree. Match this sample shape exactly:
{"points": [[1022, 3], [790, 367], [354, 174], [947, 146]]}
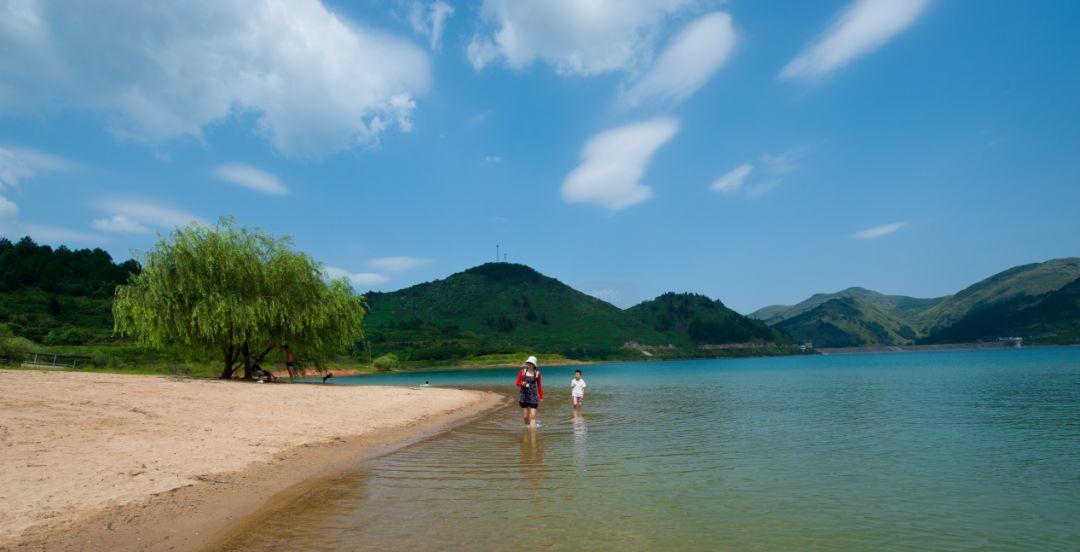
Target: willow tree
{"points": [[239, 293]]}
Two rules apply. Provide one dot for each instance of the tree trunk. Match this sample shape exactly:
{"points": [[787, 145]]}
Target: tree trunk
{"points": [[269, 347], [226, 373], [245, 353]]}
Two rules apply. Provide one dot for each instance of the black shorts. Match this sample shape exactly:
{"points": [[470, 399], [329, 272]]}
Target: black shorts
{"points": [[528, 405]]}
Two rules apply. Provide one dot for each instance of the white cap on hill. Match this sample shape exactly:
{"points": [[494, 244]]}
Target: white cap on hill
{"points": [[531, 360]]}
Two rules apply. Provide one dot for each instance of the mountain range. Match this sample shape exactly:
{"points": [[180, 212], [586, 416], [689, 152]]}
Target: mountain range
{"points": [[62, 297], [1035, 301], [503, 307]]}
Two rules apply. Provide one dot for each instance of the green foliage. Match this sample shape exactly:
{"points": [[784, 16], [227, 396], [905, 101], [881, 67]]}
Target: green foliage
{"points": [[81, 273], [12, 347], [59, 292], [386, 362], [238, 292], [69, 335]]}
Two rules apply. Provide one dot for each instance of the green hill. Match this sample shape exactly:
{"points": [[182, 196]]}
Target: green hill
{"points": [[498, 308], [502, 308], [692, 320], [860, 317], [1052, 317], [847, 322], [765, 313], [58, 296], [898, 306], [1031, 280]]}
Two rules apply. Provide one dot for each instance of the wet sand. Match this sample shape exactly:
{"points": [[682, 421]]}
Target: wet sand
{"points": [[115, 462]]}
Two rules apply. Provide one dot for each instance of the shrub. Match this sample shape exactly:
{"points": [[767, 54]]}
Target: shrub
{"points": [[15, 349], [69, 335], [386, 362]]}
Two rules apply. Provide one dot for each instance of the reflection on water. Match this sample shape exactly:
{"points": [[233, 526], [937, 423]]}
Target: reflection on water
{"points": [[958, 450], [581, 431], [532, 460]]}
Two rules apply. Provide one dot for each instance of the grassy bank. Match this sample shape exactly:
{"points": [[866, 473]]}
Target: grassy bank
{"points": [[125, 358]]}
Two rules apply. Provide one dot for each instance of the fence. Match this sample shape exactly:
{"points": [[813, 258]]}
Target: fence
{"points": [[59, 361]]}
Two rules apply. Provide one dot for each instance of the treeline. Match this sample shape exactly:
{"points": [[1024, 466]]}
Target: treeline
{"points": [[63, 271], [58, 296]]}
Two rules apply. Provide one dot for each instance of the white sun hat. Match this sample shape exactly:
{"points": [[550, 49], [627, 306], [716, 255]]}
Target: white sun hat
{"points": [[531, 360]]}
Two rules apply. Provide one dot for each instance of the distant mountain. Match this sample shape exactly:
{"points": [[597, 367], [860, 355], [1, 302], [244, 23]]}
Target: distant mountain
{"points": [[860, 317], [1052, 317], [899, 306], [847, 322], [496, 307], [1031, 279], [500, 308], [689, 319], [765, 313]]}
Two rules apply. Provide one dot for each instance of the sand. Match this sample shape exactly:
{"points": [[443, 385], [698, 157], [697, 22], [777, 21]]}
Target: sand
{"points": [[104, 461]]}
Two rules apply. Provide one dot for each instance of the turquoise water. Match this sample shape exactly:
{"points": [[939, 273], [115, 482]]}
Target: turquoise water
{"points": [[946, 450]]}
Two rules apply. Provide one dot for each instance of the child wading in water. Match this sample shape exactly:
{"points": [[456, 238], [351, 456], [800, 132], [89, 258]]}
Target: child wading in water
{"points": [[577, 389], [532, 391]]}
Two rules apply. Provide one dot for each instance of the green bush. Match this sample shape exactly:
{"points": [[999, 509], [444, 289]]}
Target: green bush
{"points": [[15, 349], [69, 335], [386, 362]]}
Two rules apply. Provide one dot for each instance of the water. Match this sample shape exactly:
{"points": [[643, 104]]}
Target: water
{"points": [[946, 450]]}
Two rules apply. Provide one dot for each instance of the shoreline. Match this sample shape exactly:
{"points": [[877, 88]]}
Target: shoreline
{"points": [[197, 512], [983, 346], [299, 494]]}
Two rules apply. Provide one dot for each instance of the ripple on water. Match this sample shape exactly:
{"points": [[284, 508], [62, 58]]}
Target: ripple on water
{"points": [[944, 451]]}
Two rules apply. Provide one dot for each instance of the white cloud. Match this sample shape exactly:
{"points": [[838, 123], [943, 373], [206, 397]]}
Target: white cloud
{"points": [[574, 37], [689, 61], [12, 227], [357, 278], [9, 211], [429, 19], [251, 178], [613, 163], [878, 231], [398, 264], [313, 82], [732, 181], [763, 187], [120, 224], [863, 26], [130, 215], [493, 159], [785, 162], [19, 163], [771, 169]]}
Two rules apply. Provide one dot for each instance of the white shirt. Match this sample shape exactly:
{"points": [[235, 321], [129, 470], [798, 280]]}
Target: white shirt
{"points": [[577, 387]]}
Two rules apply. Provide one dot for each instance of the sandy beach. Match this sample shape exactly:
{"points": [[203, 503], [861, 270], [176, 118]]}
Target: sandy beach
{"points": [[104, 461]]}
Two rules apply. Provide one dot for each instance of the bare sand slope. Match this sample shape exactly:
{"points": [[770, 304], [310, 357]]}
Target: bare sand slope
{"points": [[75, 444]]}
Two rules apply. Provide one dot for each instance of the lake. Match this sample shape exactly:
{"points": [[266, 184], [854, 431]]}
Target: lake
{"points": [[954, 450]]}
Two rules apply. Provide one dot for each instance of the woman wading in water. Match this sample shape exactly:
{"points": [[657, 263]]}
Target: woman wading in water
{"points": [[532, 391]]}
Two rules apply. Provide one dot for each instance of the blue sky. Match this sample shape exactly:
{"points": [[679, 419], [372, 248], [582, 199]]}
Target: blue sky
{"points": [[756, 152]]}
